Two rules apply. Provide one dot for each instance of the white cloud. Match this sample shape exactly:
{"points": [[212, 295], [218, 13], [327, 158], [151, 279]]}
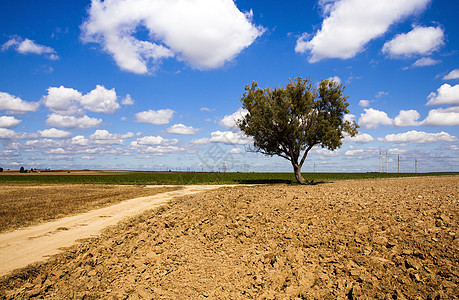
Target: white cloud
{"points": [[6, 133], [364, 103], [79, 140], [407, 118], [64, 101], [454, 74], [155, 145], [205, 109], [446, 94], [203, 33], [425, 61], [236, 151], [442, 117], [230, 138], [68, 101], [100, 100], [229, 121], [182, 129], [420, 137], [351, 24], [349, 117], [420, 40], [9, 122], [360, 138], [372, 118], [54, 133], [15, 104], [26, 46], [69, 122], [155, 117], [103, 137], [127, 100], [335, 79], [154, 140]]}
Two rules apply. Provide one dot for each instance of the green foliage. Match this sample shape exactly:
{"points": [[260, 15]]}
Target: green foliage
{"points": [[21, 170], [290, 121]]}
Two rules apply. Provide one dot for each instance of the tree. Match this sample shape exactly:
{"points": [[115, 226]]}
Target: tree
{"points": [[21, 170], [290, 121]]}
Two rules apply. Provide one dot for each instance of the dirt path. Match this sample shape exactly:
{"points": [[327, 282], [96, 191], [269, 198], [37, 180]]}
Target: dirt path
{"points": [[22, 247]]}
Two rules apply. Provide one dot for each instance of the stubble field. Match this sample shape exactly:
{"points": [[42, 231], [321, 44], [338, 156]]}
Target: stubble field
{"points": [[383, 239], [24, 204]]}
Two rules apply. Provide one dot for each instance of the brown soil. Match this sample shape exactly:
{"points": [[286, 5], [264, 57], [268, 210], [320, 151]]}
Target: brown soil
{"points": [[384, 239]]}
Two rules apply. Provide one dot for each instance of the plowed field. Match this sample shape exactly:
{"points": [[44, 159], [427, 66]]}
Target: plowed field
{"points": [[384, 239]]}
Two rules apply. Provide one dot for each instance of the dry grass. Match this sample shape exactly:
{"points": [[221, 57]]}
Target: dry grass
{"points": [[25, 205]]}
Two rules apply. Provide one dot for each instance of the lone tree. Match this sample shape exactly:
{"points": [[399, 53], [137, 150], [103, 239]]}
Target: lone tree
{"points": [[290, 121]]}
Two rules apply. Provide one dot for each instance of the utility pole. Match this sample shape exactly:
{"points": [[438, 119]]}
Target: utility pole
{"points": [[386, 163], [398, 163], [314, 167], [415, 165], [380, 168]]}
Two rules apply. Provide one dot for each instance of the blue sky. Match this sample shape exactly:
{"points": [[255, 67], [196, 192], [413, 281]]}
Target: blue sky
{"points": [[155, 85]]}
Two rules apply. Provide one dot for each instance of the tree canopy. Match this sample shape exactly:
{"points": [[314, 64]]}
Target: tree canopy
{"points": [[289, 122]]}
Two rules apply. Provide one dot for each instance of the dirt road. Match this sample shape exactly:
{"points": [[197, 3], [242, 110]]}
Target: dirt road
{"points": [[32, 244]]}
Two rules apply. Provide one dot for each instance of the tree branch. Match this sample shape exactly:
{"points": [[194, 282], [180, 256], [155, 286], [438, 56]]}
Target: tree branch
{"points": [[306, 154]]}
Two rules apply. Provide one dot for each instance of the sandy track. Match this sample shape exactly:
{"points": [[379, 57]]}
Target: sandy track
{"points": [[22, 247]]}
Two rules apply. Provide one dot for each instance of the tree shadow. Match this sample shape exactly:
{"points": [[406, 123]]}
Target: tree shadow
{"points": [[277, 181]]}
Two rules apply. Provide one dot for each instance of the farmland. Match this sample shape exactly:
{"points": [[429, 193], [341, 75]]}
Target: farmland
{"points": [[150, 178], [390, 238]]}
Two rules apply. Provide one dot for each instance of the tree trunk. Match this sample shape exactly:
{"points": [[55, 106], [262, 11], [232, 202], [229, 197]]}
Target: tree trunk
{"points": [[299, 178]]}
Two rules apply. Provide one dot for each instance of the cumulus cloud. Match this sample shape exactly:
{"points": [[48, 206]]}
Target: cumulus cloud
{"points": [[15, 104], [420, 40], [127, 100], [71, 122], [100, 100], [155, 117], [103, 137], [442, 117], [364, 103], [54, 133], [335, 79], [372, 118], [349, 117], [407, 118], [360, 138], [454, 74], [229, 121], [154, 140], [446, 94], [156, 145], [204, 33], [6, 133], [351, 24], [236, 151], [64, 101], [26, 46], [68, 101], [182, 129], [230, 138], [424, 62], [9, 122], [419, 137]]}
